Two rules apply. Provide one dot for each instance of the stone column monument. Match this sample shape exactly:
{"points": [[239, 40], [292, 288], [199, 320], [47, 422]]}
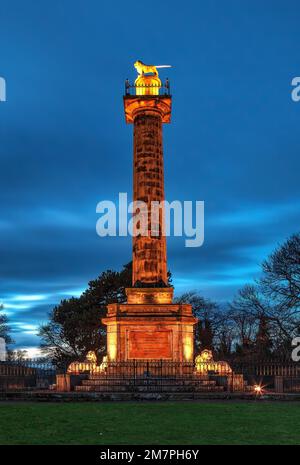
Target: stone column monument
{"points": [[149, 326], [2, 350]]}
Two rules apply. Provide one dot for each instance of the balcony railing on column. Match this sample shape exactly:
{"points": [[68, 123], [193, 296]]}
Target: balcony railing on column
{"points": [[137, 90]]}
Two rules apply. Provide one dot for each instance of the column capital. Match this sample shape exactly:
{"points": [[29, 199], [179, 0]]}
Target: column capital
{"points": [[147, 104]]}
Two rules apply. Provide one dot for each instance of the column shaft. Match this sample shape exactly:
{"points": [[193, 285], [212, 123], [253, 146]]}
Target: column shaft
{"points": [[149, 253]]}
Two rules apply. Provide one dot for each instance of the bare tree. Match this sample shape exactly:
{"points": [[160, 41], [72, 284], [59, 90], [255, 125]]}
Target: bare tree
{"points": [[255, 313], [17, 355], [4, 327], [281, 276], [209, 318]]}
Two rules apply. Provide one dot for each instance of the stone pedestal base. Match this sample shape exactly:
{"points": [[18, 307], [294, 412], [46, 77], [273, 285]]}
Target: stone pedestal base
{"points": [[148, 329]]}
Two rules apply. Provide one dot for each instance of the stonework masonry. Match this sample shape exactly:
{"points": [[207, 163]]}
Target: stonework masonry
{"points": [[149, 253], [149, 326]]}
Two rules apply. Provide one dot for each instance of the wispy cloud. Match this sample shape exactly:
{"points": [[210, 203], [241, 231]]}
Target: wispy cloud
{"points": [[239, 152], [256, 215], [28, 298]]}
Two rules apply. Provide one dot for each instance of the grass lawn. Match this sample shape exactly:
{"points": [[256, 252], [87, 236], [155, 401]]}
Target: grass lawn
{"points": [[150, 423]]}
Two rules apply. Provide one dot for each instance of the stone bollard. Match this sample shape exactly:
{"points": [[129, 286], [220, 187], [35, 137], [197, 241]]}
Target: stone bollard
{"points": [[63, 383], [2, 349]]}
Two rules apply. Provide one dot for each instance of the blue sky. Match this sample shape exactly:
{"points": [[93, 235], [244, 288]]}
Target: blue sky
{"points": [[233, 142]]}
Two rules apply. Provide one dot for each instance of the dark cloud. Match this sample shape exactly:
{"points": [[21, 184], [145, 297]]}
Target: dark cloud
{"points": [[64, 146]]}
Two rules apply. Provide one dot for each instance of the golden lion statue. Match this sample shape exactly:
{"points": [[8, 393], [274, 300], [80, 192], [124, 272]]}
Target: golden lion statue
{"points": [[145, 69], [142, 68], [204, 363], [89, 364]]}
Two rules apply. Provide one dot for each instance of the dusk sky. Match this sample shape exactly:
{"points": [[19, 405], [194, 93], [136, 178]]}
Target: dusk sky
{"points": [[233, 142]]}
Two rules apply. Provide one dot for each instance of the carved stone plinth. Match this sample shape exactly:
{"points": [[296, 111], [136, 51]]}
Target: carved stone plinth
{"points": [[149, 331]]}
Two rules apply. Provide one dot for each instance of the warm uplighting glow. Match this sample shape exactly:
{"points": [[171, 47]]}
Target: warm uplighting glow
{"points": [[104, 364], [112, 342], [149, 295], [205, 363], [91, 357], [163, 297], [88, 365], [147, 85], [258, 389], [205, 356], [188, 347]]}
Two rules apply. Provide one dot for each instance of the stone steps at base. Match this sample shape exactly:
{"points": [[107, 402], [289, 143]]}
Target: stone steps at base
{"points": [[153, 378], [199, 388], [124, 382], [147, 389]]}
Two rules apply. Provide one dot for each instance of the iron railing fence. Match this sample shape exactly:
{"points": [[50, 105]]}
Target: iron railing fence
{"points": [[26, 374], [288, 384], [137, 90], [18, 366], [162, 375], [173, 368], [151, 376], [272, 375], [154, 375], [266, 367]]}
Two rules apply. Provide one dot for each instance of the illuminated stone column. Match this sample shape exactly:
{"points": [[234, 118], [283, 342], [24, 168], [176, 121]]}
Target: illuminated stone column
{"points": [[148, 113], [149, 253], [149, 326]]}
